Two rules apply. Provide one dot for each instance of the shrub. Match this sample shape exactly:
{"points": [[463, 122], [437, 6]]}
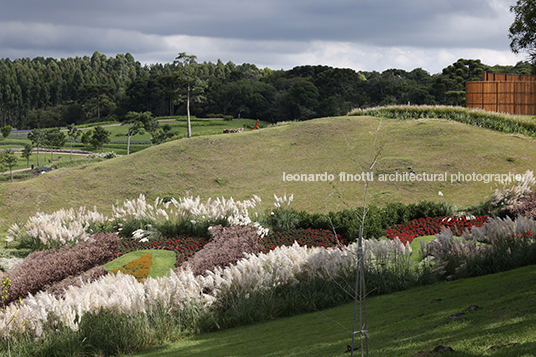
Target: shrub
{"points": [[59, 288], [526, 207], [186, 216], [509, 200], [499, 245], [287, 280], [44, 268], [224, 117], [282, 219], [304, 237], [407, 231], [348, 221], [227, 246]]}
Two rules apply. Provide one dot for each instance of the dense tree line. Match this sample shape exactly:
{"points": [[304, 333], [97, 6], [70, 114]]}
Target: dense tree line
{"points": [[46, 92]]}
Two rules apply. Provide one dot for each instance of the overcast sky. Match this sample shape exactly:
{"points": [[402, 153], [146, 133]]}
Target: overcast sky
{"points": [[279, 34]]}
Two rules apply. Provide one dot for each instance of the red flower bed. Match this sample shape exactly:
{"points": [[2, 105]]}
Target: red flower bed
{"points": [[184, 246], [406, 232], [309, 237]]}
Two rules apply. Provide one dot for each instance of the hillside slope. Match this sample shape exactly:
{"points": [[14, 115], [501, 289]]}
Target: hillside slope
{"points": [[240, 165], [399, 324]]}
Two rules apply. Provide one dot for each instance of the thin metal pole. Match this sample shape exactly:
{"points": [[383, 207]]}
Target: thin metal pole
{"points": [[360, 299], [356, 296]]}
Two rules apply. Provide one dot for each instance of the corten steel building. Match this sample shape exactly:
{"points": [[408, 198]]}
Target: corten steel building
{"points": [[503, 93]]}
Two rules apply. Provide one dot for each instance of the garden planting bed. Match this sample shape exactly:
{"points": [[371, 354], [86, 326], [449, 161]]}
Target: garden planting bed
{"points": [[406, 232]]}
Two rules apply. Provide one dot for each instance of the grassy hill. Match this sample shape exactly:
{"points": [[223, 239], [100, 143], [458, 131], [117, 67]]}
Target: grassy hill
{"points": [[399, 324], [253, 162]]}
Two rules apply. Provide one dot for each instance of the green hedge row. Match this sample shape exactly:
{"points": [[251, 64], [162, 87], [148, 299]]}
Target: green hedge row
{"points": [[348, 221], [505, 123]]}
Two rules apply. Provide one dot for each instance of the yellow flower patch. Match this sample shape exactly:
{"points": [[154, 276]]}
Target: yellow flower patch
{"points": [[139, 268]]}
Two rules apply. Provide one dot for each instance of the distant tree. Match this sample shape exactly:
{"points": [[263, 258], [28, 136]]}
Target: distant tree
{"points": [[86, 137], [456, 95], [37, 136], [151, 126], [522, 32], [9, 160], [135, 122], [163, 134], [99, 137], [453, 79], [26, 153], [6, 130], [303, 99], [55, 139], [73, 134], [191, 85], [96, 92]]}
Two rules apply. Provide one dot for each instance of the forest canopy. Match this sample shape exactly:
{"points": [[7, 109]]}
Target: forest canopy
{"points": [[47, 92]]}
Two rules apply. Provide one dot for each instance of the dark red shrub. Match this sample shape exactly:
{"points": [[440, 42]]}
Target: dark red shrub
{"points": [[304, 237], [525, 208], [44, 268], [58, 289], [227, 246]]}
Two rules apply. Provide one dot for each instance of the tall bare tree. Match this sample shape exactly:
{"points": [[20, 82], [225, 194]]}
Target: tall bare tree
{"points": [[191, 85]]}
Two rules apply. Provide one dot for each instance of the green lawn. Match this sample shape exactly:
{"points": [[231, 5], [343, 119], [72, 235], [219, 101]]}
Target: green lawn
{"points": [[399, 324], [416, 257], [163, 261]]}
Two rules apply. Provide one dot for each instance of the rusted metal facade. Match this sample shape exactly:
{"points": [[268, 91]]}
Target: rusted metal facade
{"points": [[503, 93]]}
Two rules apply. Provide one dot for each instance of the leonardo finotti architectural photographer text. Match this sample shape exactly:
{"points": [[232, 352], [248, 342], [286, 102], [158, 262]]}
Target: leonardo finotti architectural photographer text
{"points": [[403, 177]]}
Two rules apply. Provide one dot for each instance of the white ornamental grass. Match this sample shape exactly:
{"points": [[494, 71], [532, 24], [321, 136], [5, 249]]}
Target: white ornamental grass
{"points": [[71, 226], [386, 251], [235, 212], [185, 207], [281, 201], [124, 294], [60, 227]]}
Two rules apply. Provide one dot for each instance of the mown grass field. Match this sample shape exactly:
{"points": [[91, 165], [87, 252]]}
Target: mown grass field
{"points": [[399, 324], [253, 162]]}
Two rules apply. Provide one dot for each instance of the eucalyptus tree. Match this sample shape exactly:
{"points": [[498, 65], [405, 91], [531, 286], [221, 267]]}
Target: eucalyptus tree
{"points": [[191, 85], [96, 92]]}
